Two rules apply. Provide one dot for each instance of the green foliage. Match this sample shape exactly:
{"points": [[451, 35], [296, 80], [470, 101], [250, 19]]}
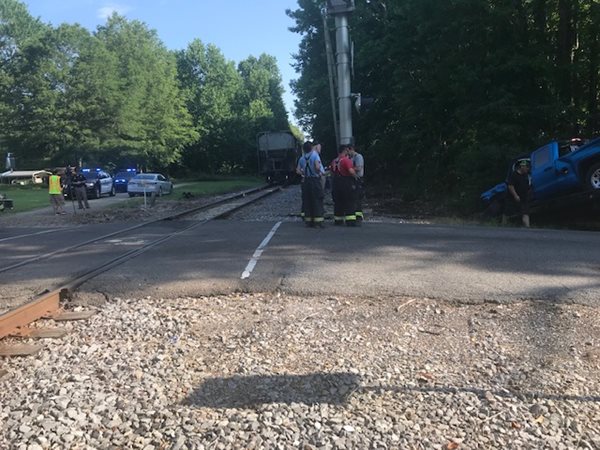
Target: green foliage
{"points": [[229, 107], [460, 86], [118, 96], [151, 122], [211, 84]]}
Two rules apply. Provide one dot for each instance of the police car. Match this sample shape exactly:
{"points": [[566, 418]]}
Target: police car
{"points": [[121, 179], [98, 183]]}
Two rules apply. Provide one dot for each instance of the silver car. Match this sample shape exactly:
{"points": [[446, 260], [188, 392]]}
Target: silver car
{"points": [[149, 183]]}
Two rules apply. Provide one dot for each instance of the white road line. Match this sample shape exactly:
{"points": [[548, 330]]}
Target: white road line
{"points": [[258, 252]]}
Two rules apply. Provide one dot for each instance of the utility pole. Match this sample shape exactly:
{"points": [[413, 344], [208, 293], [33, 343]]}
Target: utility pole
{"points": [[332, 79], [340, 10]]}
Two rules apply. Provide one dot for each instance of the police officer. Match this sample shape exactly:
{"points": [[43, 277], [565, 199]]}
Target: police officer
{"points": [[358, 163], [309, 168], [78, 182]]}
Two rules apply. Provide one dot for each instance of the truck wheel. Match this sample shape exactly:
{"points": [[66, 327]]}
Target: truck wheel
{"points": [[592, 179]]}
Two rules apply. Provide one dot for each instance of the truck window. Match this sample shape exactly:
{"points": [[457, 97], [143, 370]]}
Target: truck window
{"points": [[564, 150], [542, 157]]}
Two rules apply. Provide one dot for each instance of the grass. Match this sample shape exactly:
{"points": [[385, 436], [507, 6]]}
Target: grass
{"points": [[25, 198], [29, 197], [214, 186]]}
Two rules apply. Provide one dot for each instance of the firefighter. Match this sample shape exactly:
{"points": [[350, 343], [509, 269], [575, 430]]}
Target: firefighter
{"points": [[358, 163], [309, 168], [344, 189]]}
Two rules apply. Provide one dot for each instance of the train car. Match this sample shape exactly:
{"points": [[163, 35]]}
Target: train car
{"points": [[278, 153]]}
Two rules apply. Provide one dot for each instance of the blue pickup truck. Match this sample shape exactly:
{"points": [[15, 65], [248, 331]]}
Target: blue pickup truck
{"points": [[558, 170]]}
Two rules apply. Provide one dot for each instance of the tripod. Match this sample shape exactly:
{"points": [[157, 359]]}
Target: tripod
{"points": [[70, 186]]}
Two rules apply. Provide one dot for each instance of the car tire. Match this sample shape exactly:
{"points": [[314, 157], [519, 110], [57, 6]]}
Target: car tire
{"points": [[592, 178], [160, 192], [97, 192], [113, 191]]}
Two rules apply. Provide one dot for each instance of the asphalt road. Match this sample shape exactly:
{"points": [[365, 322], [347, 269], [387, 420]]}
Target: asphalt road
{"points": [[453, 263], [470, 264]]}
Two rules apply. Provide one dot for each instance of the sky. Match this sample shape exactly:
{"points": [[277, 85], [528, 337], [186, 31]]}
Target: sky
{"points": [[240, 28]]}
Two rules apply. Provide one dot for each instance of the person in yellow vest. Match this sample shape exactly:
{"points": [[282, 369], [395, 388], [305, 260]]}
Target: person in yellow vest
{"points": [[56, 195]]}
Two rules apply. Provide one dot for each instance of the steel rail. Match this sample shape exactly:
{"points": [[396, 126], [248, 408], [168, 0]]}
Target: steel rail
{"points": [[48, 303], [134, 227]]}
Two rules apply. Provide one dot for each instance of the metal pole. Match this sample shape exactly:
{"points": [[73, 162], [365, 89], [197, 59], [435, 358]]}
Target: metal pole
{"points": [[332, 81], [343, 71]]}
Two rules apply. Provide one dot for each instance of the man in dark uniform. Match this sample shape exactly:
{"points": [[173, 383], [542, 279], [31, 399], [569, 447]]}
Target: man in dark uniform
{"points": [[519, 189], [78, 182]]}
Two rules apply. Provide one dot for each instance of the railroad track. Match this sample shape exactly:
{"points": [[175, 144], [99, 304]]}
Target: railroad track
{"points": [[15, 322]]}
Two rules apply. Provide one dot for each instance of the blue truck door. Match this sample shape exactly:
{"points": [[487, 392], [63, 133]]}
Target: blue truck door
{"points": [[543, 173]]}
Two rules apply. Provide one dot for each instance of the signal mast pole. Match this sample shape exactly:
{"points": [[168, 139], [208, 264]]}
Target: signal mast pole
{"points": [[340, 10], [332, 80]]}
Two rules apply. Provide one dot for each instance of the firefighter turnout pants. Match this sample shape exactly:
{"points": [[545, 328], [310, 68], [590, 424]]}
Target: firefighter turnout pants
{"points": [[360, 194], [344, 200], [312, 200]]}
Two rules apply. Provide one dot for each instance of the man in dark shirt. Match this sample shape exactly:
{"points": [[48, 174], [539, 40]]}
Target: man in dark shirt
{"points": [[78, 182], [519, 188]]}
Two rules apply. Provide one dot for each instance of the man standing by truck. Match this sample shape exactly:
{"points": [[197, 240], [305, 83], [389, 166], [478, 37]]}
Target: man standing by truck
{"points": [[519, 190]]}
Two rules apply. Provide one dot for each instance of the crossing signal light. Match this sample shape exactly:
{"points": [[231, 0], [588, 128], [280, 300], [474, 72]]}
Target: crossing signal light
{"points": [[362, 103]]}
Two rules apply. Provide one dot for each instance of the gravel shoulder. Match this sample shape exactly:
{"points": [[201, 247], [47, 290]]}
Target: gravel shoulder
{"points": [[273, 371]]}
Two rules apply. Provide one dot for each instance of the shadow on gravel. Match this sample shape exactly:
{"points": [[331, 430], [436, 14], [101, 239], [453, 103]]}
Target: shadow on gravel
{"points": [[249, 391], [332, 389]]}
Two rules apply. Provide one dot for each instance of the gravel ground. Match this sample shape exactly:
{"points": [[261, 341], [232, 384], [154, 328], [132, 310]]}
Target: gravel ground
{"points": [[272, 371], [285, 206]]}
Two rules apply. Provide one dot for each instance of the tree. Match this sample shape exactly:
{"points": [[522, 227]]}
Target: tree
{"points": [[460, 87], [312, 87], [19, 32], [211, 85], [151, 123]]}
